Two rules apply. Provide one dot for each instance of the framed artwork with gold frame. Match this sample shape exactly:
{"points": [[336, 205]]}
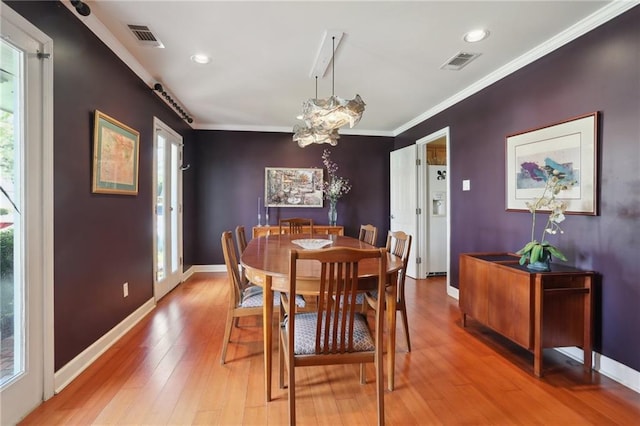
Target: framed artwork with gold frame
{"points": [[116, 148]]}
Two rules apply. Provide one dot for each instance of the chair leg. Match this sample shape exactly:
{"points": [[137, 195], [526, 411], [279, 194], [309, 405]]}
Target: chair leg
{"points": [[280, 361], [227, 336], [292, 393], [379, 387], [363, 374], [403, 310]]}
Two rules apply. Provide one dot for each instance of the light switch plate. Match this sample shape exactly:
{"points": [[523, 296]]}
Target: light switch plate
{"points": [[466, 185]]}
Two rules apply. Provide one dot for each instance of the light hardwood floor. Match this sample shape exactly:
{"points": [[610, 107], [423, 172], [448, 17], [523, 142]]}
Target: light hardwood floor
{"points": [[167, 371]]}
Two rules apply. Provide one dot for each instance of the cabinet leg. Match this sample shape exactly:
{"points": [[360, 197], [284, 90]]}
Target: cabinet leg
{"points": [[537, 362], [588, 336], [537, 325]]}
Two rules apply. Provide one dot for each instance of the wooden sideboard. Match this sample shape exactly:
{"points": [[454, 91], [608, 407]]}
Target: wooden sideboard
{"points": [[536, 310], [261, 231]]}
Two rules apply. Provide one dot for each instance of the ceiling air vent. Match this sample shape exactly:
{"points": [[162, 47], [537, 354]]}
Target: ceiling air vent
{"points": [[144, 35], [459, 61]]}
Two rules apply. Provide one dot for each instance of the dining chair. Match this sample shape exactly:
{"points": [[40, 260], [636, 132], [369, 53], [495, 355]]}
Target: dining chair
{"points": [[337, 333], [241, 239], [295, 225], [245, 299], [241, 242], [399, 244], [368, 234]]}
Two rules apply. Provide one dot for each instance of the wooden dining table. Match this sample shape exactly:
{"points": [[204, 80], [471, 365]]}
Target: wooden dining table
{"points": [[266, 263]]}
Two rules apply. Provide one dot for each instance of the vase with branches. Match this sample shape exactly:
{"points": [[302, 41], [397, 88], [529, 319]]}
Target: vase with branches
{"points": [[334, 187]]}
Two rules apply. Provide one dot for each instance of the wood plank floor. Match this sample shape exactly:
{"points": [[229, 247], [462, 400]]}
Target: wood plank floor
{"points": [[167, 371]]}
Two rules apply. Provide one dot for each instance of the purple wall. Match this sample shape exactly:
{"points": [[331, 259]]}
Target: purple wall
{"points": [[597, 72], [229, 174], [100, 241]]}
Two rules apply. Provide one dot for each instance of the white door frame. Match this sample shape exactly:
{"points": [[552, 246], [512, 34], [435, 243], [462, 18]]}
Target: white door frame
{"points": [[39, 162], [422, 198]]}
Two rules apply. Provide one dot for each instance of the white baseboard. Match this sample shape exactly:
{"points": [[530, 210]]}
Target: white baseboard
{"points": [[207, 268], [614, 370], [453, 292], [73, 368], [187, 274]]}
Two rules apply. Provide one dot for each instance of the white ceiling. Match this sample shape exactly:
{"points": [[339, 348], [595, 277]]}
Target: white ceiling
{"points": [[391, 53]]}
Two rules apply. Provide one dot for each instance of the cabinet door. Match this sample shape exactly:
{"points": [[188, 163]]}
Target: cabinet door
{"points": [[511, 304], [474, 297]]}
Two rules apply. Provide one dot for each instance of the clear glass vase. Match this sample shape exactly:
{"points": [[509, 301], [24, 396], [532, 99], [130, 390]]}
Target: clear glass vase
{"points": [[333, 213]]}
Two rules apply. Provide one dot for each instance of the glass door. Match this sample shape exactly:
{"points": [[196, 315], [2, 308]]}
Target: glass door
{"points": [[25, 218], [167, 209]]}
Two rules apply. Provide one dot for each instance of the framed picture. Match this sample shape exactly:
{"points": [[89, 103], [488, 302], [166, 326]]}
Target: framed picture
{"points": [[285, 187], [115, 156], [571, 145]]}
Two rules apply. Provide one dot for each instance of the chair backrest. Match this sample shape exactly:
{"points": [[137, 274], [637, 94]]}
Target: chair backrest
{"points": [[295, 225], [241, 239], [399, 244], [338, 282], [368, 234], [231, 261]]}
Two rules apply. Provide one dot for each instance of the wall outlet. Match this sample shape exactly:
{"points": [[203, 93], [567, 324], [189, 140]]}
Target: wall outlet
{"points": [[125, 289]]}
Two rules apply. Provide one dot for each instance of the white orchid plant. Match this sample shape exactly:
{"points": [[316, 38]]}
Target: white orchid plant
{"points": [[556, 180]]}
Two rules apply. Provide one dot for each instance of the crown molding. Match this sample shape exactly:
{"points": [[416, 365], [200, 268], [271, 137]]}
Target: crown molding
{"points": [[280, 129], [605, 14]]}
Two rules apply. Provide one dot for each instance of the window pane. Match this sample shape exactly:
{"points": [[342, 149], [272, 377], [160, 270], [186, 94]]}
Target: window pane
{"points": [[160, 210], [11, 228], [175, 166]]}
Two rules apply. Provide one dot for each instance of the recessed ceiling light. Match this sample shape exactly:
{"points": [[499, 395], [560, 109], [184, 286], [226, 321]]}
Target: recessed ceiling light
{"points": [[476, 35], [201, 59]]}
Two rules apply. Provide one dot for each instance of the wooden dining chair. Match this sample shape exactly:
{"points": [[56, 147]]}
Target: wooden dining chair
{"points": [[295, 225], [368, 234], [399, 244], [245, 298], [241, 242], [241, 239], [337, 333]]}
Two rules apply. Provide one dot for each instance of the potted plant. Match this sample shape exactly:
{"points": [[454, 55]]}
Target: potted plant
{"points": [[538, 253]]}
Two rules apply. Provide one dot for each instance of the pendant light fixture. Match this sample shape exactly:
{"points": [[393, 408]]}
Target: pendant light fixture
{"points": [[306, 135], [323, 117]]}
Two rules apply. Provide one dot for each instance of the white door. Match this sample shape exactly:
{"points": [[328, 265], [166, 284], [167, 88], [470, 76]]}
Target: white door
{"points": [[167, 209], [404, 201], [26, 217]]}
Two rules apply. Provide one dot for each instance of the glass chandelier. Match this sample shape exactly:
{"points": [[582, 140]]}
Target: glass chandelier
{"points": [[323, 117]]}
